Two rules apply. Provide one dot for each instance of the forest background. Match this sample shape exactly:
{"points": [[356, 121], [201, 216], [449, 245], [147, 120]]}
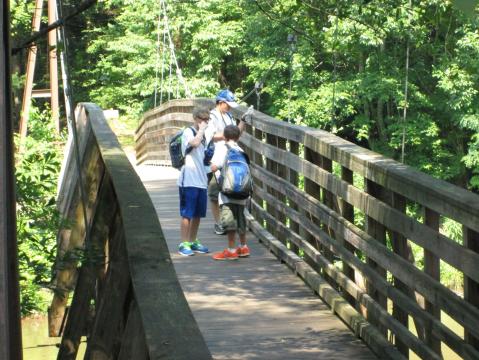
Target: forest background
{"points": [[347, 73]]}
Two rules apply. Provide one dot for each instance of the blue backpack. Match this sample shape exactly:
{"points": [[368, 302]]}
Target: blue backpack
{"points": [[176, 155], [235, 180]]}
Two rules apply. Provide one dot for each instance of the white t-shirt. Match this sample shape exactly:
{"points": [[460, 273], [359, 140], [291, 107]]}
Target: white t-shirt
{"points": [[217, 123], [218, 159], [193, 173]]}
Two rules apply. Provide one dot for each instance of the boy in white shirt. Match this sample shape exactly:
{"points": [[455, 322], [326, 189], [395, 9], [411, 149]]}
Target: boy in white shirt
{"points": [[231, 210], [193, 183]]}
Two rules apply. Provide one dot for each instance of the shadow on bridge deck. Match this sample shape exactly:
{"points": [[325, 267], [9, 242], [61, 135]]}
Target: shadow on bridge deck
{"points": [[253, 308]]}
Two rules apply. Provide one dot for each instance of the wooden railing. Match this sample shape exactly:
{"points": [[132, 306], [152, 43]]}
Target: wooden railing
{"points": [[127, 299], [346, 220]]}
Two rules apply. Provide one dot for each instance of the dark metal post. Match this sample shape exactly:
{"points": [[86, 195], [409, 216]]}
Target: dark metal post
{"points": [[10, 329]]}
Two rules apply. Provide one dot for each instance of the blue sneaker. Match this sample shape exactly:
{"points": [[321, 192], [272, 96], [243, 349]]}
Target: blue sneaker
{"points": [[185, 249], [199, 248]]}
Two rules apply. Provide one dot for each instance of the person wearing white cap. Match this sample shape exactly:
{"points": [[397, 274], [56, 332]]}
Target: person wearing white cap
{"points": [[220, 117]]}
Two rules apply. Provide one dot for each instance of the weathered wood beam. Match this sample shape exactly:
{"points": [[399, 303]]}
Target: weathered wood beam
{"points": [[10, 329]]}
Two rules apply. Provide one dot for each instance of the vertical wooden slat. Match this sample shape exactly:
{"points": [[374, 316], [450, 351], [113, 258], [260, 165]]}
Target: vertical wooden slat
{"points": [[432, 268], [294, 180], [105, 338], [471, 287], [347, 211], [399, 245], [272, 167], [282, 172], [378, 232], [133, 343], [258, 160], [313, 189], [328, 199]]}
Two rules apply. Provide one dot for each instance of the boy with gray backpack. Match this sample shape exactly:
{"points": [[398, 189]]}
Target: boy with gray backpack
{"points": [[235, 185]]}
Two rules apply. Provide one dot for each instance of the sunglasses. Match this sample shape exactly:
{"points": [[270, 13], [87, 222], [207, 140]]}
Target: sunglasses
{"points": [[203, 119]]}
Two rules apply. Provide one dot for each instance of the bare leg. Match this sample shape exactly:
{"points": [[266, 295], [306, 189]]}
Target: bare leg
{"points": [[215, 210], [231, 239], [194, 224], [242, 238], [185, 227]]}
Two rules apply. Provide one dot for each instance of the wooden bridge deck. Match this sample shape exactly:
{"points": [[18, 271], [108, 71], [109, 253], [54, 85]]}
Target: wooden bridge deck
{"points": [[253, 308]]}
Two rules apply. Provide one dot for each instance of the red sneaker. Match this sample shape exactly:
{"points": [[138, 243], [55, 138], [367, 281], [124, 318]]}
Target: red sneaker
{"points": [[225, 255], [242, 251]]}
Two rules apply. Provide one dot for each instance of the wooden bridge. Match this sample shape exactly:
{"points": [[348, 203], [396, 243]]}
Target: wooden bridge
{"points": [[332, 272]]}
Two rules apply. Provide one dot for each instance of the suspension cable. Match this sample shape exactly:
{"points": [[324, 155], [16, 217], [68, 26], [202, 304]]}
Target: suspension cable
{"points": [[158, 26], [333, 107], [172, 51], [406, 81], [163, 60]]}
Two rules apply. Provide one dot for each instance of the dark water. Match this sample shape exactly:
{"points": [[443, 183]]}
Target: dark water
{"points": [[36, 343]]}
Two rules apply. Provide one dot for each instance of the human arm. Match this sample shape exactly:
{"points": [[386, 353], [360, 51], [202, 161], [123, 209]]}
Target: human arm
{"points": [[218, 159], [196, 140]]}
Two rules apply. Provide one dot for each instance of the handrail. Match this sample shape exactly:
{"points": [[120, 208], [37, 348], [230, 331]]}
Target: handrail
{"points": [[139, 309], [342, 208]]}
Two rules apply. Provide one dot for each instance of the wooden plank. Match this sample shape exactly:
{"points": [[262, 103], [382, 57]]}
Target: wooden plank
{"points": [[432, 268], [447, 335], [104, 341], [293, 180], [272, 167], [347, 212], [449, 251], [377, 231], [10, 324], [415, 279], [258, 160], [133, 343], [471, 287], [400, 247]]}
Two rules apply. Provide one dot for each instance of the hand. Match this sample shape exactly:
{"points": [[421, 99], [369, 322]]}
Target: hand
{"points": [[248, 115]]}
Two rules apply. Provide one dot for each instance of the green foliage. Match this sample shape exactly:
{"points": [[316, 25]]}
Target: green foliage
{"points": [[37, 171]]}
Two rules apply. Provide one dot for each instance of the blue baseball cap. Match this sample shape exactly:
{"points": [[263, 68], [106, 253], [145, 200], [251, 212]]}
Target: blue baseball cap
{"points": [[228, 97]]}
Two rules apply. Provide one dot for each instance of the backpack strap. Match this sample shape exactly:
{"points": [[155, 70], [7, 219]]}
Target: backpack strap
{"points": [[245, 155]]}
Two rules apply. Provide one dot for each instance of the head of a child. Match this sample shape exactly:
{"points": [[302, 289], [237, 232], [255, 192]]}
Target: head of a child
{"points": [[201, 114], [231, 132]]}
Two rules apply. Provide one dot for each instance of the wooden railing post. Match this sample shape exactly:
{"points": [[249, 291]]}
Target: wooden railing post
{"points": [[378, 232], [347, 211], [294, 180], [328, 200], [272, 167], [313, 189], [399, 245], [258, 160], [471, 287], [281, 171], [432, 268]]}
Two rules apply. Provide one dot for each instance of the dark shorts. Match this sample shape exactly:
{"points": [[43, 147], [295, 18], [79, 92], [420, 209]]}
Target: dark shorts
{"points": [[192, 202], [232, 218], [213, 189]]}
